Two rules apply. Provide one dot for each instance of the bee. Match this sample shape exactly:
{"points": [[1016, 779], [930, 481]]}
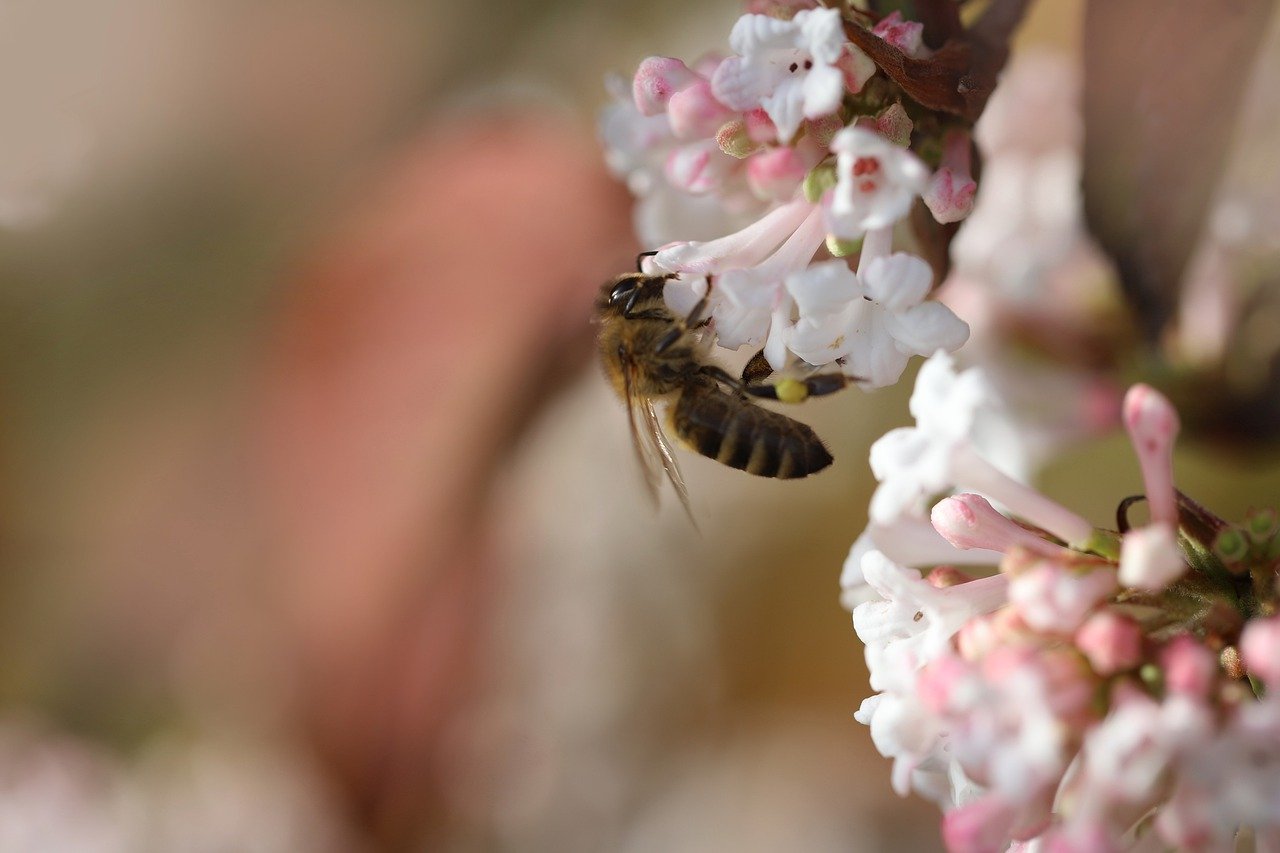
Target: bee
{"points": [[652, 355]]}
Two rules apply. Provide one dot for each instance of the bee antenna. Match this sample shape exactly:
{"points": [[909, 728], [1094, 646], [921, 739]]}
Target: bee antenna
{"points": [[640, 259]]}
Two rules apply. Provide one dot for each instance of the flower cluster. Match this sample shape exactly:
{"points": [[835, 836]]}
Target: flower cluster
{"points": [[796, 153], [1102, 690]]}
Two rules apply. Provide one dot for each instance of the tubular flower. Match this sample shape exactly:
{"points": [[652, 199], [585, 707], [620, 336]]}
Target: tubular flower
{"points": [[1090, 694], [758, 173]]}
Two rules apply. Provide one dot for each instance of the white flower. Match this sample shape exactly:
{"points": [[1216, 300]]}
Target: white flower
{"points": [[913, 462], [642, 150], [915, 618], [875, 182], [749, 303], [907, 541], [937, 454], [875, 322], [787, 67]]}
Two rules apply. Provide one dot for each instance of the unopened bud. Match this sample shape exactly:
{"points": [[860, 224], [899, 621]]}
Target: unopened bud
{"points": [[951, 190], [733, 139], [856, 68], [1231, 663], [776, 173], [1150, 558], [656, 80], [1111, 643], [1260, 650], [1189, 668], [820, 179], [759, 126], [841, 248], [970, 521], [942, 577], [823, 130], [894, 124], [695, 113], [1262, 524], [1153, 425], [1231, 546]]}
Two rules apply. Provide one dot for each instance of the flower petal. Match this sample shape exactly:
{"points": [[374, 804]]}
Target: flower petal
{"points": [[824, 288], [823, 91], [927, 328], [898, 281]]}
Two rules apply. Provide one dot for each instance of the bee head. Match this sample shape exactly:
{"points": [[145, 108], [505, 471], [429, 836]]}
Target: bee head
{"points": [[623, 288], [625, 292]]}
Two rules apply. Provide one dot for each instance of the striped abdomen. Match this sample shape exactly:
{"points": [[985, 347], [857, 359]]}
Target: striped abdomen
{"points": [[736, 432]]}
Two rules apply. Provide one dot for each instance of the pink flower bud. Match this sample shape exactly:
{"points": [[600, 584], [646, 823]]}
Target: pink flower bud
{"points": [[1150, 558], [895, 125], [760, 128], [776, 173], [942, 577], [906, 36], [697, 168], [1153, 425], [949, 195], [981, 636], [1070, 685], [1055, 598], [981, 826], [823, 130], [970, 521], [1189, 668], [856, 68], [656, 80], [706, 65], [1260, 648], [1112, 643], [695, 113]]}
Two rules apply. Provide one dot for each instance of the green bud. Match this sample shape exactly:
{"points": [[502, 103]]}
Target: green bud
{"points": [[733, 139], [843, 248], [820, 179], [1262, 524], [1231, 546], [929, 150], [1151, 676]]}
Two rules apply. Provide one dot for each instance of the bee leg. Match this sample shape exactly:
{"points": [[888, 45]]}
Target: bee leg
{"points": [[722, 376], [640, 258], [799, 390], [668, 339], [757, 369]]}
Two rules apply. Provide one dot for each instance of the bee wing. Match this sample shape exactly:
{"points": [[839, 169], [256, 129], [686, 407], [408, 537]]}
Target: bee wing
{"points": [[659, 442], [646, 451], [652, 448]]}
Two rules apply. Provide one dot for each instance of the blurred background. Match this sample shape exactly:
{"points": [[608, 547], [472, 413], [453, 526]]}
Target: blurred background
{"points": [[319, 529]]}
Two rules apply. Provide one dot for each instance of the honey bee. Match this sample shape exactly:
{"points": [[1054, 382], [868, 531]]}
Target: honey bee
{"points": [[651, 355]]}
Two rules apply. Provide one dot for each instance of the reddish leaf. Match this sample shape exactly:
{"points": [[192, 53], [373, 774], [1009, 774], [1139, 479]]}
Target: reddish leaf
{"points": [[960, 76]]}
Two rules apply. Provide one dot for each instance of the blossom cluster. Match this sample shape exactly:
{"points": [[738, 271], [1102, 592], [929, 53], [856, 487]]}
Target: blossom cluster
{"points": [[1101, 690], [790, 155]]}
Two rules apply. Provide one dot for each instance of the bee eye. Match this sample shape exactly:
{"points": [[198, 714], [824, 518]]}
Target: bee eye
{"points": [[621, 291]]}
